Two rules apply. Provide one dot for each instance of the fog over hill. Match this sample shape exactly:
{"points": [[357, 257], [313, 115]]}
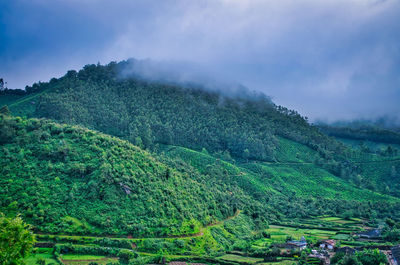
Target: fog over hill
{"points": [[330, 60]]}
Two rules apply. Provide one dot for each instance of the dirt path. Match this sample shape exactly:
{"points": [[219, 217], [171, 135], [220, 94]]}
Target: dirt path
{"points": [[201, 233], [227, 219]]}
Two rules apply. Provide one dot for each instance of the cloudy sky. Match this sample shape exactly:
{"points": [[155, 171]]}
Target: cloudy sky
{"points": [[331, 59]]}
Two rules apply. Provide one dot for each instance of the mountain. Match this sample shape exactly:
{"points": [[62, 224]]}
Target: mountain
{"points": [[162, 159], [147, 113]]}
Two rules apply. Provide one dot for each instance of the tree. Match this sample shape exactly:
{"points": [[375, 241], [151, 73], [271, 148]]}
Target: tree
{"points": [[371, 257], [16, 240], [126, 255], [2, 84], [4, 110], [350, 260]]}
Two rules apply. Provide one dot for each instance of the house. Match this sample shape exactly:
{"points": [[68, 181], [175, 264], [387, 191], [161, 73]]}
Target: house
{"points": [[328, 244], [347, 250], [294, 244], [396, 255], [370, 234]]}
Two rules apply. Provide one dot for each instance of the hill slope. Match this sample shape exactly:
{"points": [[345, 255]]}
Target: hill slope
{"points": [[67, 179], [208, 155], [249, 127], [147, 113], [70, 179]]}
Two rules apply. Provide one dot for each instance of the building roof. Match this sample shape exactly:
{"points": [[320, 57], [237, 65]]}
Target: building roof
{"points": [[297, 243], [373, 233], [330, 242], [396, 253]]}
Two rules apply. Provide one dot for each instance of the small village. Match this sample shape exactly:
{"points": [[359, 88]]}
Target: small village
{"points": [[318, 240]]}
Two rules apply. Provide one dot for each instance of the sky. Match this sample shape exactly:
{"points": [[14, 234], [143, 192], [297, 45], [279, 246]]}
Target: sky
{"points": [[329, 60]]}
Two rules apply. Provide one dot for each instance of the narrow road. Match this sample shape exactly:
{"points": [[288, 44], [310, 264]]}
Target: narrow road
{"points": [[201, 233]]}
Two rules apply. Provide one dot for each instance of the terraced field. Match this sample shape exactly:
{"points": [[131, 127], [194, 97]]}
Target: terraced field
{"points": [[71, 259], [240, 259]]}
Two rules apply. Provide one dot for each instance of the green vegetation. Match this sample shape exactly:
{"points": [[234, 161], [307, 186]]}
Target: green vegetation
{"points": [[148, 113], [16, 240], [365, 257], [236, 258], [242, 128], [106, 167], [78, 177], [72, 180]]}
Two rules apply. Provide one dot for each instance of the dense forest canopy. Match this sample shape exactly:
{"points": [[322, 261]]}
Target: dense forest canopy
{"points": [[207, 156], [70, 179], [146, 113], [149, 113]]}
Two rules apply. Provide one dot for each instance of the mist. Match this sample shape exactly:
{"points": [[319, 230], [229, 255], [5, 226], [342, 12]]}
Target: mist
{"points": [[329, 60]]}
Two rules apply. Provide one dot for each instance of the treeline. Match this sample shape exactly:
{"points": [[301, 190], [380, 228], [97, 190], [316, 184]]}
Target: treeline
{"points": [[36, 87], [365, 133]]}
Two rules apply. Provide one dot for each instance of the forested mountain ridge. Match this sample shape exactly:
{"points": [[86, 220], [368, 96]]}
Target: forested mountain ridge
{"points": [[363, 133], [225, 153], [147, 113]]}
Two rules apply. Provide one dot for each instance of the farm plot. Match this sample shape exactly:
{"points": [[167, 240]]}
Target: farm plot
{"points": [[240, 259], [33, 259], [280, 233], [72, 259]]}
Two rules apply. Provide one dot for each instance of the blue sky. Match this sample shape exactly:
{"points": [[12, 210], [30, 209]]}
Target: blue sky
{"points": [[331, 59]]}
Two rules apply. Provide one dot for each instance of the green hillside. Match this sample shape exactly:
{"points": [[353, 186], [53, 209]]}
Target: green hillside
{"points": [[67, 179], [247, 127], [377, 155], [207, 156], [147, 113]]}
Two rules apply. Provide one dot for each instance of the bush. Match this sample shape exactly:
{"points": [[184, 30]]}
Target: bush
{"points": [[125, 255]]}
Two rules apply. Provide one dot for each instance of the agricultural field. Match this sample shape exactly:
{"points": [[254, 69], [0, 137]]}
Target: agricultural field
{"points": [[71, 259], [191, 248], [313, 229], [280, 233], [281, 262], [240, 259], [49, 258]]}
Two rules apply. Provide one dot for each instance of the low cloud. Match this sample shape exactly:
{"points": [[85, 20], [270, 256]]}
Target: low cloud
{"points": [[329, 60]]}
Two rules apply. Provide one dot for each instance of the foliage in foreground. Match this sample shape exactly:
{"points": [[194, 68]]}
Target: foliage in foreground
{"points": [[16, 240]]}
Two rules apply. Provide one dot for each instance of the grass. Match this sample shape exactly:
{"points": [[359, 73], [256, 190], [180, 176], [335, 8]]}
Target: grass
{"points": [[281, 262], [341, 237], [100, 262], [76, 259], [242, 259], [32, 259], [80, 257], [279, 233]]}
